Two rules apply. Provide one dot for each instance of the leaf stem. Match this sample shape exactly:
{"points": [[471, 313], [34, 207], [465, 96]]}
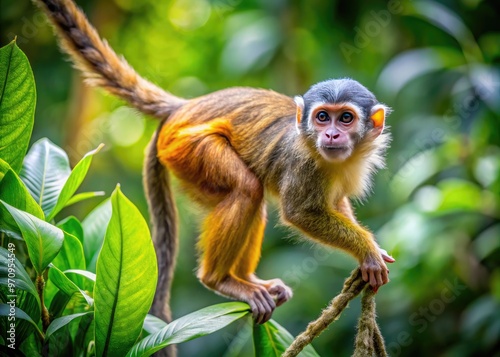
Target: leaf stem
{"points": [[40, 285]]}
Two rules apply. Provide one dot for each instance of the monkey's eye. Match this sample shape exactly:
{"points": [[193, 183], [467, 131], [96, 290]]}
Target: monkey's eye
{"points": [[346, 118], [322, 116]]}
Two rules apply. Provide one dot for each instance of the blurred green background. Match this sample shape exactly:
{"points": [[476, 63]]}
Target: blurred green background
{"points": [[435, 208]]}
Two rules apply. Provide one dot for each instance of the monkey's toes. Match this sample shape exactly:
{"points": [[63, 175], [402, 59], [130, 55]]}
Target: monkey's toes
{"points": [[262, 306], [281, 292]]}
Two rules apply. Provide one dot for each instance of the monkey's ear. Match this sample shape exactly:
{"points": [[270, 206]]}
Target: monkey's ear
{"points": [[377, 116], [300, 109]]}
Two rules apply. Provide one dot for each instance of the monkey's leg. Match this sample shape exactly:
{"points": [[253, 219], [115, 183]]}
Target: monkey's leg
{"points": [[222, 242], [246, 264], [221, 181]]}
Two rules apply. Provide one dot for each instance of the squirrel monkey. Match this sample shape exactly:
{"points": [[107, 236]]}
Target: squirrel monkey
{"points": [[227, 148]]}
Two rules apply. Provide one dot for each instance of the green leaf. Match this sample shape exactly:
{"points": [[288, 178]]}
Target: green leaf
{"points": [[460, 195], [411, 64], [240, 344], [83, 196], [72, 226], [31, 347], [20, 315], [63, 321], [87, 274], [271, 339], [17, 104], [45, 171], [84, 279], [66, 285], [153, 324], [74, 181], [71, 255], [42, 239], [22, 282], [4, 167], [14, 192], [126, 279], [58, 302], [191, 326], [94, 228]]}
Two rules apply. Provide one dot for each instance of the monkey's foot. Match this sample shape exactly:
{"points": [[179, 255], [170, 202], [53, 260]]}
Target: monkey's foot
{"points": [[254, 294], [277, 288]]}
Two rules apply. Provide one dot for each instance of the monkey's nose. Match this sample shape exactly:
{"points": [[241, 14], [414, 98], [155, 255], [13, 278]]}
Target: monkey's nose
{"points": [[332, 134]]}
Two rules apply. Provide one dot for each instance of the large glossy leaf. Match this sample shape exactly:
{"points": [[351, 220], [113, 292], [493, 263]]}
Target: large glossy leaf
{"points": [[72, 226], [74, 181], [94, 228], [48, 176], [17, 104], [194, 325], [71, 254], [45, 170], [20, 282], [126, 279], [14, 192], [42, 239], [271, 339], [62, 322]]}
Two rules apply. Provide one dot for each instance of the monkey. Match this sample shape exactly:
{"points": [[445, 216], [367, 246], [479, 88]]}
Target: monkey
{"points": [[231, 147]]}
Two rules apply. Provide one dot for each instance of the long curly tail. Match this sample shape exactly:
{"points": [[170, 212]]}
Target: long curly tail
{"points": [[101, 66]]}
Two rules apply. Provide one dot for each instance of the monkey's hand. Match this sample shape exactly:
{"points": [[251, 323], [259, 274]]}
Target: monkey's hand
{"points": [[374, 270]]}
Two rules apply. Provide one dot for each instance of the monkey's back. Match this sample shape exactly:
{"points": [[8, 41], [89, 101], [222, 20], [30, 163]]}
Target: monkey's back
{"points": [[253, 121]]}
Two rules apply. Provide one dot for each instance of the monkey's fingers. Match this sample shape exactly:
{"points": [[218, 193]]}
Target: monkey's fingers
{"points": [[387, 258]]}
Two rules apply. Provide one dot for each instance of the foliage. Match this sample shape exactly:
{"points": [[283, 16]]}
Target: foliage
{"points": [[68, 310]]}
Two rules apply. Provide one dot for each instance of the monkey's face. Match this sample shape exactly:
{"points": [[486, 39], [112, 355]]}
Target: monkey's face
{"points": [[338, 115], [337, 129]]}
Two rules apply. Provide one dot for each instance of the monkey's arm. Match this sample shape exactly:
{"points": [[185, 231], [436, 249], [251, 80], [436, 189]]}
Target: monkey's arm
{"points": [[100, 65], [309, 212], [344, 206]]}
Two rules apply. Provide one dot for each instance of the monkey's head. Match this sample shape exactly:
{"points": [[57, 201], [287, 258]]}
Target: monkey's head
{"points": [[337, 115]]}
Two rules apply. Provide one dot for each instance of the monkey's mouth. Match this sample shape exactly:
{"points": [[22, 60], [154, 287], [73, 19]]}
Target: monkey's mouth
{"points": [[334, 153], [334, 148]]}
